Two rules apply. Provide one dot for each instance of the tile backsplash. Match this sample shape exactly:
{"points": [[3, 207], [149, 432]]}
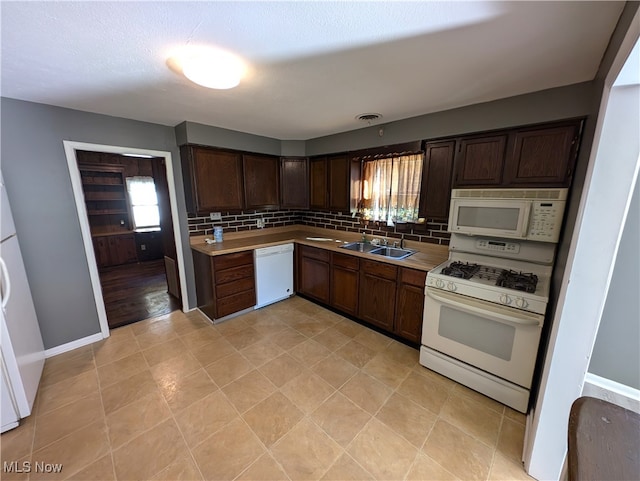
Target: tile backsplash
{"points": [[432, 231]]}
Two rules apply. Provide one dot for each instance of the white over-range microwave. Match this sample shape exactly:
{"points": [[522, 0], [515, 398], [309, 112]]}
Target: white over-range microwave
{"points": [[532, 214]]}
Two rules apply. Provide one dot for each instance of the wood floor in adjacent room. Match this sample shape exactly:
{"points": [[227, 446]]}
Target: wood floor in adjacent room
{"points": [[133, 292]]}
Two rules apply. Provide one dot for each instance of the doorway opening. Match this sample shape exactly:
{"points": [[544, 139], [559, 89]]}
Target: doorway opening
{"points": [[126, 198], [127, 205]]}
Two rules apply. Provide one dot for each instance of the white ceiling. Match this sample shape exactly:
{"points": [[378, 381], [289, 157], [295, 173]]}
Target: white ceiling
{"points": [[314, 65]]}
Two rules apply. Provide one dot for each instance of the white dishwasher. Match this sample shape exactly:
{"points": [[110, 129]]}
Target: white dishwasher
{"points": [[274, 274]]}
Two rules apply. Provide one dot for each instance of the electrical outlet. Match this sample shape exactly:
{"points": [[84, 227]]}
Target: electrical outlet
{"points": [[260, 223], [215, 215]]}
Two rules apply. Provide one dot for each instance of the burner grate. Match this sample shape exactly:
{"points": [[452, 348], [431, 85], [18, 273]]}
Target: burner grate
{"points": [[519, 281], [461, 270]]}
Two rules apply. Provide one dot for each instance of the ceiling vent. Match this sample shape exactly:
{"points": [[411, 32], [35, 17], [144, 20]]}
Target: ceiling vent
{"points": [[368, 118]]}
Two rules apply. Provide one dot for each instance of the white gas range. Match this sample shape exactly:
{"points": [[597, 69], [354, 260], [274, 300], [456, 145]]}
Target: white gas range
{"points": [[484, 312], [513, 274]]}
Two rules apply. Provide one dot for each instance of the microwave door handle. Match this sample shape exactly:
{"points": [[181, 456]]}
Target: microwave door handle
{"points": [[494, 311], [526, 220]]}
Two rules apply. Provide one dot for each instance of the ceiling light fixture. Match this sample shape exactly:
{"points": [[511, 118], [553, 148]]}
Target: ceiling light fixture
{"points": [[210, 67]]}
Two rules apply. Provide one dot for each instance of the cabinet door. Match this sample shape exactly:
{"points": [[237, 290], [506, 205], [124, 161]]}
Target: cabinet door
{"points": [[542, 157], [377, 300], [216, 180], [314, 273], [318, 193], [435, 192], [122, 249], [339, 183], [294, 183], [261, 181], [410, 304], [480, 161], [344, 283], [101, 249]]}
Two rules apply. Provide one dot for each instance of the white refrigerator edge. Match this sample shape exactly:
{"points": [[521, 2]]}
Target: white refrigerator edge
{"points": [[21, 346]]}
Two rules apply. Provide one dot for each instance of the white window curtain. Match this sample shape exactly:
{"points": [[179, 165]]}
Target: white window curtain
{"points": [[144, 201], [391, 188]]}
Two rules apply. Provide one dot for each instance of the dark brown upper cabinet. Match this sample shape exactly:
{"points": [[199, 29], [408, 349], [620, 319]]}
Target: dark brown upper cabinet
{"points": [[330, 182], [261, 181], [529, 156], [435, 191], [543, 157], [318, 191], [339, 183], [213, 179], [479, 161], [294, 183]]}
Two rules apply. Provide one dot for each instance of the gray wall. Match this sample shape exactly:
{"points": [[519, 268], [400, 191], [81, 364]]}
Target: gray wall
{"points": [[193, 133], [616, 354], [39, 188], [544, 106]]}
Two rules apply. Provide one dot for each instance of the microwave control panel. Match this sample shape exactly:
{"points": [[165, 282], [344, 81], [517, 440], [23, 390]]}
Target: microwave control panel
{"points": [[546, 220]]}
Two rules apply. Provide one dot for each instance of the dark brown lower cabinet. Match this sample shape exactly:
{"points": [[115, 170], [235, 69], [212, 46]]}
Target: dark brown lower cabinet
{"points": [[410, 304], [113, 250], [314, 273], [377, 293], [224, 284], [384, 295], [345, 282]]}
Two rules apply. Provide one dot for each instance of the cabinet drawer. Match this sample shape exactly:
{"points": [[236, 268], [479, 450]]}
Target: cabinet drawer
{"points": [[315, 253], [233, 274], [379, 269], [413, 277], [237, 302], [233, 287], [346, 261], [233, 260]]}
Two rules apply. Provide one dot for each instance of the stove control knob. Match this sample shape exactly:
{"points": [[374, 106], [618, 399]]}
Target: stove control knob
{"points": [[440, 284], [505, 299], [521, 303], [451, 286]]}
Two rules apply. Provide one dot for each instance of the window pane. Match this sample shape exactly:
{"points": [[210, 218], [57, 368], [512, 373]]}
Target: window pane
{"points": [[391, 188], [142, 191], [146, 215], [144, 201]]}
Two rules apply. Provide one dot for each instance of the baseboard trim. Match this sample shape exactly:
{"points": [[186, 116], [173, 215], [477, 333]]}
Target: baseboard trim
{"points": [[612, 391], [70, 346]]}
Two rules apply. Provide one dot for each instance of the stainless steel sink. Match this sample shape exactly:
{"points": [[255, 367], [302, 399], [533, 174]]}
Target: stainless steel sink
{"points": [[359, 247], [392, 252]]}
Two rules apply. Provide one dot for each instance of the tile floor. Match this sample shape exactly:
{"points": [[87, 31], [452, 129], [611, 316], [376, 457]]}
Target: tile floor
{"points": [[289, 392]]}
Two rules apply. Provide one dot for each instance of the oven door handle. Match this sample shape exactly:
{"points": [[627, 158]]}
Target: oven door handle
{"points": [[486, 309]]}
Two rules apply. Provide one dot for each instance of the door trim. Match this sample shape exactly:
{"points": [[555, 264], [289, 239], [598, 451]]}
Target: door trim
{"points": [[70, 148]]}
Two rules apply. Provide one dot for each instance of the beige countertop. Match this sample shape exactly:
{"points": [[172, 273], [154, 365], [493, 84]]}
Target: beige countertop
{"points": [[426, 258]]}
